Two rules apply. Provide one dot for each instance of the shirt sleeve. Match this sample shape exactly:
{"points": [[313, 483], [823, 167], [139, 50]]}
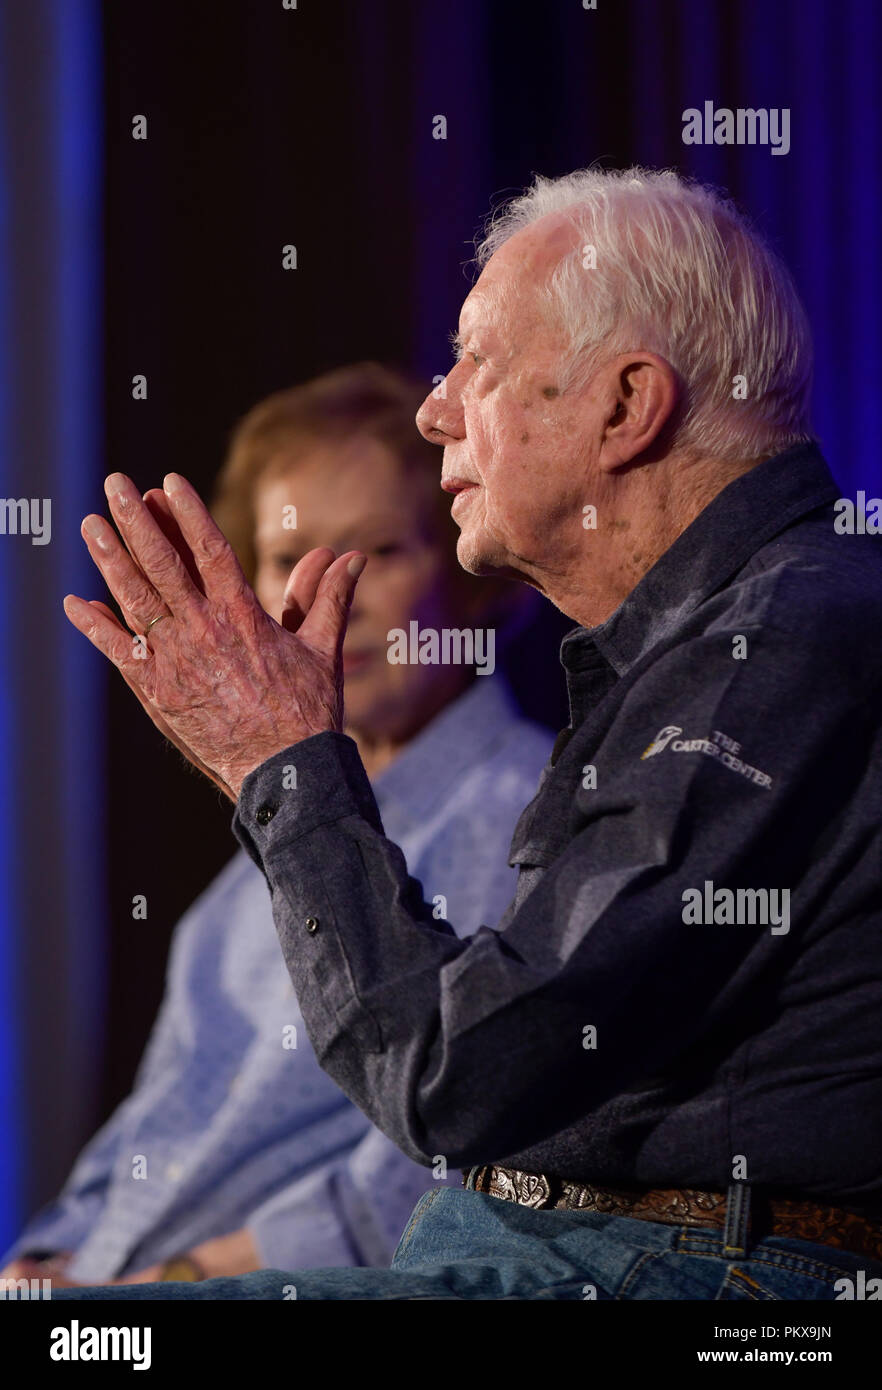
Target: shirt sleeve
{"points": [[348, 1212], [66, 1222], [475, 1048]]}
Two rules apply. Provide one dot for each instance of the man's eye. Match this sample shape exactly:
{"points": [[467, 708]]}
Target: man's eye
{"points": [[387, 548], [477, 358], [284, 562]]}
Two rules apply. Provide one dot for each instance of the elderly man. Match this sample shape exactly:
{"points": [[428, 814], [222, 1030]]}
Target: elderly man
{"points": [[663, 1068]]}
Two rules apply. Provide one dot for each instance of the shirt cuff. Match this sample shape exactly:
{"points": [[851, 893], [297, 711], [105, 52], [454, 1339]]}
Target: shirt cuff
{"points": [[309, 784]]}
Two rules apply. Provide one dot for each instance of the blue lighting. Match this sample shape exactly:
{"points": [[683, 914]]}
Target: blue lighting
{"points": [[50, 436]]}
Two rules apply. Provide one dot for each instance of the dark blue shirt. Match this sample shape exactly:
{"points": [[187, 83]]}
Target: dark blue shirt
{"points": [[687, 987]]}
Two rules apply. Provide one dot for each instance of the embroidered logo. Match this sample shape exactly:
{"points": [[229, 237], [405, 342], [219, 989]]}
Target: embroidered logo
{"points": [[661, 740], [718, 746]]}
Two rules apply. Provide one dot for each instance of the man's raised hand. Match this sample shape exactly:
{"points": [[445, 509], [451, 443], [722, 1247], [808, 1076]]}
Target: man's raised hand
{"points": [[227, 683]]}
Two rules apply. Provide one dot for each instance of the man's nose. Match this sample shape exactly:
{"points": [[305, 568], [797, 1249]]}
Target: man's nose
{"points": [[440, 418]]}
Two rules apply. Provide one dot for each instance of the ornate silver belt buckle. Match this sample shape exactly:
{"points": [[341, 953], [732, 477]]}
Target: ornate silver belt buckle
{"points": [[527, 1189]]}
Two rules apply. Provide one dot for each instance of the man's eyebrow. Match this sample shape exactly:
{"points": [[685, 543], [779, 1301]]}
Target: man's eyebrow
{"points": [[457, 342]]}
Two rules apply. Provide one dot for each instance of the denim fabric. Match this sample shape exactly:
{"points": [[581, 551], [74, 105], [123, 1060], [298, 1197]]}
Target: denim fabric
{"points": [[465, 1245]]}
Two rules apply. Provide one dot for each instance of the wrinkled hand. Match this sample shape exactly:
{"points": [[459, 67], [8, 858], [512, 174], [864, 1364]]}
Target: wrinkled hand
{"points": [[158, 505], [222, 679]]}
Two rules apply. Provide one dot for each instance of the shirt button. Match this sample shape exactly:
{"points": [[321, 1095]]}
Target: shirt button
{"points": [[265, 814], [312, 925]]}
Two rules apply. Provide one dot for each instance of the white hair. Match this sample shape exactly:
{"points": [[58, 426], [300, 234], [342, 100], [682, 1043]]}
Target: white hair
{"points": [[680, 272]]}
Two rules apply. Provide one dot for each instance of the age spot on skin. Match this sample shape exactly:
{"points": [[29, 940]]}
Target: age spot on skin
{"points": [[525, 437], [549, 392]]}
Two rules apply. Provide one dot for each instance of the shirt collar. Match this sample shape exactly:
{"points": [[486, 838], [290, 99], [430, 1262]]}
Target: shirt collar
{"points": [[446, 749], [742, 517]]}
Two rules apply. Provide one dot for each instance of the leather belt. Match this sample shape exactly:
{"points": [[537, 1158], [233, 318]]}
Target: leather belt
{"points": [[770, 1216]]}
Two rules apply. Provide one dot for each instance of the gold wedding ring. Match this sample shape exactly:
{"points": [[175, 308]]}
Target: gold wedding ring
{"points": [[154, 621]]}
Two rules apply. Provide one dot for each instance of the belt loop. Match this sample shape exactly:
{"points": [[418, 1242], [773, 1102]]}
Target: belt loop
{"points": [[736, 1232]]}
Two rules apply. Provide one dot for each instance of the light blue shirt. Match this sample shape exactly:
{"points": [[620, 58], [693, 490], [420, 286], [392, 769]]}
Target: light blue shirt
{"points": [[231, 1121]]}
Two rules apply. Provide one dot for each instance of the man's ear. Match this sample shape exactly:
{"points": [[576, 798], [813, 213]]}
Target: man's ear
{"points": [[644, 391]]}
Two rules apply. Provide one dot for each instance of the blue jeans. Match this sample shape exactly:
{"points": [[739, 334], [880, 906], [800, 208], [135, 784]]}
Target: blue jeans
{"points": [[462, 1244]]}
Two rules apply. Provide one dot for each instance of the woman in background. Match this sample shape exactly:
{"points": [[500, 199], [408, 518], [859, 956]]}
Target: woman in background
{"points": [[234, 1150]]}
